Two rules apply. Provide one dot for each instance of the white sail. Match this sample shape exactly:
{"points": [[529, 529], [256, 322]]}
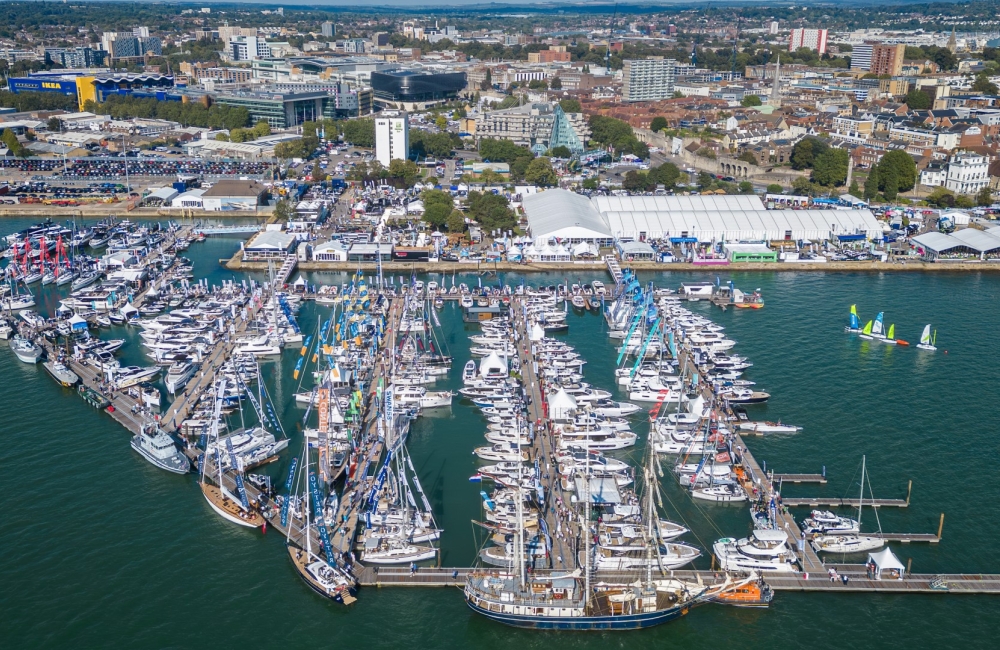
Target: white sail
{"points": [[925, 337]]}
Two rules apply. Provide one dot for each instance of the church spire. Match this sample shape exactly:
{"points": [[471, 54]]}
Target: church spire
{"points": [[776, 86]]}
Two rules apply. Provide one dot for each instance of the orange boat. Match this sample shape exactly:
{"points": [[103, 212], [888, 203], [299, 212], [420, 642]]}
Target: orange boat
{"points": [[752, 594], [901, 342]]}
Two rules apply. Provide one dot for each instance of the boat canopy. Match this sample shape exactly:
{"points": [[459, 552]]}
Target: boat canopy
{"points": [[77, 323], [886, 562], [492, 365], [561, 405]]}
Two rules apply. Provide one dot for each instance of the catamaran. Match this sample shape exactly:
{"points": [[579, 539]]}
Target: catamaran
{"points": [[854, 324], [878, 328], [927, 342], [866, 332]]}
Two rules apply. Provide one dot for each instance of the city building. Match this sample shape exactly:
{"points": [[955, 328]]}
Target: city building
{"points": [[967, 173], [248, 48], [555, 53], [130, 45], [75, 57], [814, 39], [540, 126], [648, 79], [234, 195], [413, 90], [281, 110], [392, 138], [328, 29], [887, 59], [861, 56]]}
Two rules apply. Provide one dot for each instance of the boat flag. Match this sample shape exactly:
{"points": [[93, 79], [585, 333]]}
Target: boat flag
{"points": [[288, 489]]}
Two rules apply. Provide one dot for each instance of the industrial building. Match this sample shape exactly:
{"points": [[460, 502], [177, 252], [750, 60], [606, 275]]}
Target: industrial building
{"points": [[413, 90], [234, 195], [568, 216]]}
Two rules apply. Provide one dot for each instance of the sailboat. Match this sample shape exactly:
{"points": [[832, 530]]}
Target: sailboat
{"points": [[847, 543], [878, 328], [324, 576], [866, 333], [854, 324], [927, 342], [569, 601], [890, 337], [231, 508]]}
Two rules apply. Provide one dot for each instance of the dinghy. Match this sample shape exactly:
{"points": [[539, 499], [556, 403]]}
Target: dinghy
{"points": [[926, 340]]}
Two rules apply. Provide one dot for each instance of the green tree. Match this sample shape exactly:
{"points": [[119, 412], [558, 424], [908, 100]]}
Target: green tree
{"points": [[941, 197], [53, 124], [830, 167], [746, 187], [590, 184], [747, 157], [984, 196], [404, 171], [805, 152], [890, 184], [963, 202], [562, 151], [360, 132], [802, 186], [556, 83], [538, 84], [487, 82], [658, 123], [492, 211], [284, 210], [495, 150], [261, 129], [666, 174], [750, 100], [775, 188], [872, 184], [899, 164], [9, 138], [438, 206], [456, 221], [317, 173], [983, 85], [854, 190], [634, 181], [441, 122], [570, 106], [918, 100], [540, 172]]}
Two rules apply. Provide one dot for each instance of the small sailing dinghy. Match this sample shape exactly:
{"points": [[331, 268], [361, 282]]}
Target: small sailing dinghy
{"points": [[854, 324], [927, 342], [878, 327], [890, 337], [866, 333]]}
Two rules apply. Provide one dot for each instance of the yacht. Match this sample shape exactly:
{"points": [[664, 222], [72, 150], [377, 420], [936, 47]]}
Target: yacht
{"points": [[846, 544], [259, 347], [409, 396], [764, 550], [720, 494], [132, 375], [768, 427], [391, 551], [158, 448], [178, 375], [826, 522], [25, 349]]}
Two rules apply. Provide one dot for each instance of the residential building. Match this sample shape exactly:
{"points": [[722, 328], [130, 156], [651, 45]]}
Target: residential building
{"points": [[853, 127], [130, 45], [227, 33], [861, 57], [328, 29], [539, 126], [555, 53], [967, 173], [814, 39], [648, 79], [887, 59], [248, 48], [392, 137], [76, 57]]}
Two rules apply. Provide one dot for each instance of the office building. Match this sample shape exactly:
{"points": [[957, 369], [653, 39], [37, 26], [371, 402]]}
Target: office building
{"points": [[281, 110], [75, 57], [130, 45], [861, 57], [248, 48], [328, 29], [539, 126], [648, 79], [412, 90], [392, 138], [814, 39], [888, 59]]}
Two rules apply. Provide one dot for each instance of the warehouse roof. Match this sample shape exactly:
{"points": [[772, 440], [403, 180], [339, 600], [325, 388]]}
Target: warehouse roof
{"points": [[565, 214], [236, 188]]}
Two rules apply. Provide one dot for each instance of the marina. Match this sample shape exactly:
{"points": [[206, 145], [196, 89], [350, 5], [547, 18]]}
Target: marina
{"points": [[376, 475]]}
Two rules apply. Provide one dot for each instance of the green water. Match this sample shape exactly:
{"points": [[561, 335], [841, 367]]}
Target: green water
{"points": [[100, 548]]}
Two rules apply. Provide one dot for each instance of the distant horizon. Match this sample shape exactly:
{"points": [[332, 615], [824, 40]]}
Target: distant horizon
{"points": [[623, 6]]}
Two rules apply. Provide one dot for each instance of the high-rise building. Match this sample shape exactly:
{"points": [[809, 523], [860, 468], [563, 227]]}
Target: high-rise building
{"points": [[774, 27], [861, 57], [648, 79], [814, 39], [887, 59], [392, 137], [249, 48], [130, 45], [227, 32], [78, 57], [328, 29]]}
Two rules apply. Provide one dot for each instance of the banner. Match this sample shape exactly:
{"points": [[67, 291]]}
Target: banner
{"points": [[324, 535], [243, 491], [288, 491]]}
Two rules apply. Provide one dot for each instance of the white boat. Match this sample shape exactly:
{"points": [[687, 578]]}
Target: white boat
{"points": [[826, 522], [132, 375], [720, 494], [387, 551], [846, 544], [768, 427], [671, 555], [927, 341], [178, 375], [158, 448], [419, 396], [61, 373], [499, 453], [764, 550], [86, 280], [25, 349], [259, 347]]}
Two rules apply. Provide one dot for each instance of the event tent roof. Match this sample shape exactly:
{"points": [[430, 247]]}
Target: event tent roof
{"points": [[564, 215], [937, 242], [977, 240]]}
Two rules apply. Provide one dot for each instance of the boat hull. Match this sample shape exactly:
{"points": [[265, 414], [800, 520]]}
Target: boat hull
{"points": [[213, 493], [584, 623]]}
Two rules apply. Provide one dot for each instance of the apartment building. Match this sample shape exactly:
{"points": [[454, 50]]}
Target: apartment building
{"points": [[648, 79]]}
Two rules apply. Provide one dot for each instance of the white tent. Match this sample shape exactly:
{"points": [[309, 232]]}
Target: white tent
{"points": [[536, 332], [77, 323], [561, 405], [885, 563], [583, 249], [697, 406], [493, 366]]}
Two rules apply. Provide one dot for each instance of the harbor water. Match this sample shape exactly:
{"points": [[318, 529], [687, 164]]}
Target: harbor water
{"points": [[101, 548]]}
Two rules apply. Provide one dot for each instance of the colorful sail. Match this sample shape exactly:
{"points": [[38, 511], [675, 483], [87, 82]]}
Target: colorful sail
{"points": [[925, 336], [877, 328], [855, 322], [868, 328], [892, 331]]}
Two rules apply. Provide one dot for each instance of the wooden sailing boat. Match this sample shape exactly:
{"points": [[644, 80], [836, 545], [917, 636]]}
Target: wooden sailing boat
{"points": [[237, 510], [324, 576]]}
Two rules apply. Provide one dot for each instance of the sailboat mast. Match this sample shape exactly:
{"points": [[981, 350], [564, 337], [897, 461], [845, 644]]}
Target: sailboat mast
{"points": [[861, 498], [305, 499]]}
